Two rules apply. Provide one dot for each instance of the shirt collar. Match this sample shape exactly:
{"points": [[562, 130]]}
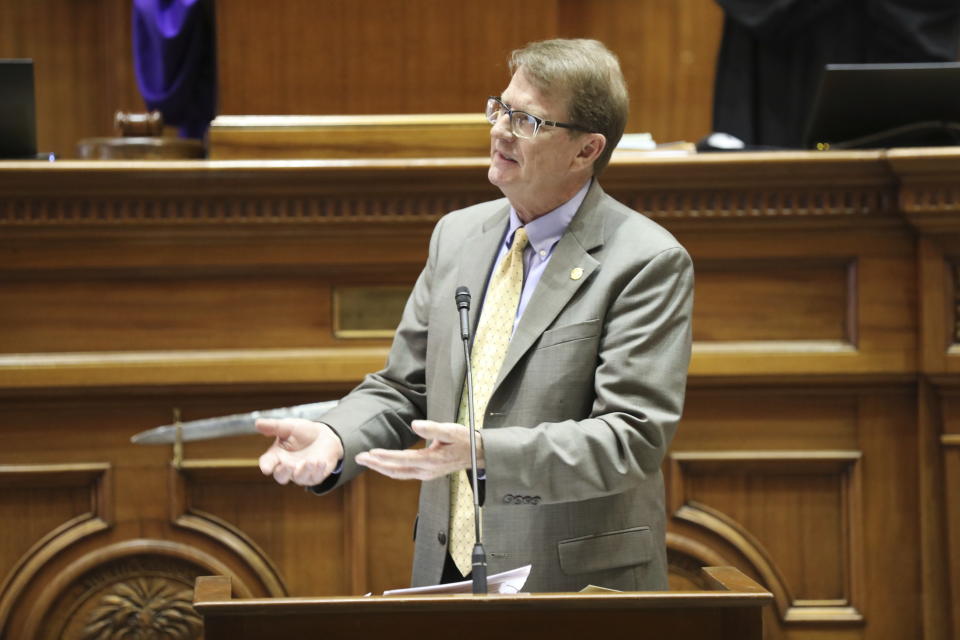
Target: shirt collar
{"points": [[545, 231]]}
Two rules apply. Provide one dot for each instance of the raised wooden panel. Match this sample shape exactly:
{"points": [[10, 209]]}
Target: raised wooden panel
{"points": [[47, 509], [775, 300], [888, 440], [768, 419], [289, 535], [43, 498], [189, 312], [795, 516]]}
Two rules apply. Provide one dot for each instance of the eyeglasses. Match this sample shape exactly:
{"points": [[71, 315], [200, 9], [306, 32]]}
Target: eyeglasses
{"points": [[522, 124]]}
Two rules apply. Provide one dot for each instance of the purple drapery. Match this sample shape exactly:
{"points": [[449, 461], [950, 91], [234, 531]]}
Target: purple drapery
{"points": [[174, 52]]}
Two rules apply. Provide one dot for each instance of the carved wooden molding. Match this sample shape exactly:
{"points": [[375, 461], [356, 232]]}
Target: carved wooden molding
{"points": [[686, 557], [274, 194], [845, 464], [754, 202], [929, 196], [279, 193], [95, 476], [150, 582]]}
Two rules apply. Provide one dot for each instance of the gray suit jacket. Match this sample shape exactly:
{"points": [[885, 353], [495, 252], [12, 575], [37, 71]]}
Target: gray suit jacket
{"points": [[586, 404]]}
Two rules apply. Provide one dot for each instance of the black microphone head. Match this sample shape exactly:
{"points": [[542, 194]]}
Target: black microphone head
{"points": [[463, 298]]}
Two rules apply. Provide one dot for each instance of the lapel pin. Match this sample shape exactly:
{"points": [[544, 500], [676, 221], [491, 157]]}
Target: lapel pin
{"points": [[576, 273]]}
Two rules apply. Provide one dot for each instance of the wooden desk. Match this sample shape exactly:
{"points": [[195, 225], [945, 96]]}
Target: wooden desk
{"points": [[818, 451], [729, 611]]}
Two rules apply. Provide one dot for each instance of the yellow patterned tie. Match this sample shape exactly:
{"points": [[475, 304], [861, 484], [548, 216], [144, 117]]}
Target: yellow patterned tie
{"points": [[489, 349]]}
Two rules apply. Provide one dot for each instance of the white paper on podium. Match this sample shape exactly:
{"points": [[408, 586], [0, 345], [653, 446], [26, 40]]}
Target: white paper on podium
{"points": [[507, 582]]}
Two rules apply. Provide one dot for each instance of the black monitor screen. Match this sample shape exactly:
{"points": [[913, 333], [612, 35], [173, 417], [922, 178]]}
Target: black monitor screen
{"points": [[876, 105], [18, 129]]}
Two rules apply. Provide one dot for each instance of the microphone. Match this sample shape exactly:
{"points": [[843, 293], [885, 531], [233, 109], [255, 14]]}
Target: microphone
{"points": [[463, 306], [479, 556]]}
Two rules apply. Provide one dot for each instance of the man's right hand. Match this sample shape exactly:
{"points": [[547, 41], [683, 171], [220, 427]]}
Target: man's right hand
{"points": [[304, 451]]}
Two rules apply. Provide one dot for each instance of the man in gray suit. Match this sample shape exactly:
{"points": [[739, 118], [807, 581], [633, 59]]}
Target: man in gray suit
{"points": [[591, 388]]}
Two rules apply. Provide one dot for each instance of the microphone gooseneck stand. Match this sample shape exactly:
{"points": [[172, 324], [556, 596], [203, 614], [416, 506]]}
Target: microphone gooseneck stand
{"points": [[479, 557]]}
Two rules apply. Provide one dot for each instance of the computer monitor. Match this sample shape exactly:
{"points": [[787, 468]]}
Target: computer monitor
{"points": [[18, 124], [886, 105]]}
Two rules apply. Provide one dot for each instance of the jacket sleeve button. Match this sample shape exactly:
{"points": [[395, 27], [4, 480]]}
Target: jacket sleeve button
{"points": [[508, 499], [442, 538]]}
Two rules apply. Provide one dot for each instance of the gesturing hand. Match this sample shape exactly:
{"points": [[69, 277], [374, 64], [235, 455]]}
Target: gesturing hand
{"points": [[449, 452], [304, 451]]}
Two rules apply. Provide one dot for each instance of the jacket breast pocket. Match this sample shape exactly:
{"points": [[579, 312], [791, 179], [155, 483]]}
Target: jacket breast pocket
{"points": [[569, 333], [608, 550]]}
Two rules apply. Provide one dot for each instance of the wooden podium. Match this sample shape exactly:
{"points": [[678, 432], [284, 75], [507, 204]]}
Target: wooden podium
{"points": [[730, 611]]}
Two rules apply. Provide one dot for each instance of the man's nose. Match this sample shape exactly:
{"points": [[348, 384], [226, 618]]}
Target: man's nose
{"points": [[501, 128]]}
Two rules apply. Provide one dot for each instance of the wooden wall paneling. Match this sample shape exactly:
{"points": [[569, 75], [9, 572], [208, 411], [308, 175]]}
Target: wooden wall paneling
{"points": [[770, 418], [827, 300], [843, 216], [776, 301], [391, 512], [174, 529], [378, 56], [807, 553], [797, 447], [356, 539], [827, 225], [864, 512], [372, 56], [83, 67], [214, 498], [54, 506], [935, 508], [930, 200], [937, 305], [947, 550], [667, 50], [888, 440]]}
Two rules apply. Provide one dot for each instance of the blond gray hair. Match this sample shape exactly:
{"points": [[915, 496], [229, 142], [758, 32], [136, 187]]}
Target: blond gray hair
{"points": [[587, 75]]}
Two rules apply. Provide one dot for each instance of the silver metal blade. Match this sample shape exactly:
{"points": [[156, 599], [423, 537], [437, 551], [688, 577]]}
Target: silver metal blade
{"points": [[238, 424]]}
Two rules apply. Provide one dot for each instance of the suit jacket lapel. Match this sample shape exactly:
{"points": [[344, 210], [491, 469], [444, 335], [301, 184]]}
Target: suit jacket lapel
{"points": [[476, 258], [557, 285]]}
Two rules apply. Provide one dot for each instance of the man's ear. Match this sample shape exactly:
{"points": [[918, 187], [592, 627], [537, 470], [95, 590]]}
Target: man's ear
{"points": [[591, 146]]}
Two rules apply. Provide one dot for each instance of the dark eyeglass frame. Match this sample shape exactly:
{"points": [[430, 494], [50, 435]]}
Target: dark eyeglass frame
{"points": [[537, 120]]}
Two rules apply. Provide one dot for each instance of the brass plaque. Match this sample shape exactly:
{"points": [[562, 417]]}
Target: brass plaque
{"points": [[368, 312]]}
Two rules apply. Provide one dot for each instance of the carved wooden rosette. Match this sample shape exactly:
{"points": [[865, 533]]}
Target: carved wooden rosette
{"points": [[140, 597], [133, 589]]}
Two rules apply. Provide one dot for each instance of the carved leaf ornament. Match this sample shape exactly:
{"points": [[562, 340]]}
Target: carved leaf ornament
{"points": [[142, 609]]}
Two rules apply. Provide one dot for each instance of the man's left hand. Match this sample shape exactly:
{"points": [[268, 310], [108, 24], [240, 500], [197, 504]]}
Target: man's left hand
{"points": [[449, 451]]}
